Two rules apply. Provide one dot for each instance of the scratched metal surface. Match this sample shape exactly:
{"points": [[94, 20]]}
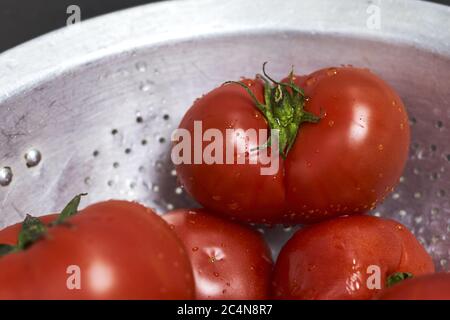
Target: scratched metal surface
{"points": [[100, 99]]}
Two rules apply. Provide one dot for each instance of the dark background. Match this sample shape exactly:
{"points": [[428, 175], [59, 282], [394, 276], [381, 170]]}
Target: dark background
{"points": [[22, 20]]}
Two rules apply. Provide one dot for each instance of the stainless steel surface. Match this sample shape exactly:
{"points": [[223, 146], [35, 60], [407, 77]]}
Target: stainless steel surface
{"points": [[99, 100]]}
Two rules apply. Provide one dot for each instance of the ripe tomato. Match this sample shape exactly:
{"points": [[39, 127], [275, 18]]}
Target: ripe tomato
{"points": [[110, 250], [230, 261], [345, 163], [429, 287], [347, 258]]}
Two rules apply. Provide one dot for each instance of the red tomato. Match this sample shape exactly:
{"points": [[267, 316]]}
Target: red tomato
{"points": [[116, 249], [344, 258], [429, 287], [230, 261], [344, 164]]}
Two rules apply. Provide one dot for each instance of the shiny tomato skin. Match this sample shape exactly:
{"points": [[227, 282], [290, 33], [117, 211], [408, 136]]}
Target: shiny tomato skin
{"points": [[122, 249], [345, 164], [330, 260], [428, 287], [349, 161], [229, 260], [237, 190]]}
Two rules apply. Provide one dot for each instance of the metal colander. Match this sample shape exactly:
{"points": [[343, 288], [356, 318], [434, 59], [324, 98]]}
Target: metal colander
{"points": [[90, 108]]}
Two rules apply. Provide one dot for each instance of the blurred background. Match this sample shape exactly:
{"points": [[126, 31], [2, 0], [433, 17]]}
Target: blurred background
{"points": [[22, 20]]}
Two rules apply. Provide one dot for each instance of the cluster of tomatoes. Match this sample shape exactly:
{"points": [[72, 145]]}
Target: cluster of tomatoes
{"points": [[343, 141]]}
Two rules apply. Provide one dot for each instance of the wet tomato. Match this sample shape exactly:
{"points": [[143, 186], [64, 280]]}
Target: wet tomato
{"points": [[342, 146], [230, 260], [348, 258], [110, 250]]}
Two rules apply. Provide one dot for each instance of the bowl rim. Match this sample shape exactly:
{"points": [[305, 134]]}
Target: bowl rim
{"points": [[28, 64]]}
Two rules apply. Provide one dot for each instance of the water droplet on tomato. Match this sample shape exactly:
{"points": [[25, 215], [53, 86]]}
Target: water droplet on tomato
{"points": [[233, 206], [330, 123], [332, 71], [380, 147], [310, 81], [178, 190], [312, 267], [194, 249], [216, 274]]}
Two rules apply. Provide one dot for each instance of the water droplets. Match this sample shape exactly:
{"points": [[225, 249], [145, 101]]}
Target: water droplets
{"points": [[32, 157], [146, 85], [141, 66], [178, 190], [6, 176], [331, 71], [310, 81]]}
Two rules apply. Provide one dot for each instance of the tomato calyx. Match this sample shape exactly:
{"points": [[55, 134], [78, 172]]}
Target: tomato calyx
{"points": [[69, 210], [397, 277], [283, 109], [33, 229]]}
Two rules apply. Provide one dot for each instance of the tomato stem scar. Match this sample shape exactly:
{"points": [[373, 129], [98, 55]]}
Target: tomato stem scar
{"points": [[283, 108], [33, 229]]}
